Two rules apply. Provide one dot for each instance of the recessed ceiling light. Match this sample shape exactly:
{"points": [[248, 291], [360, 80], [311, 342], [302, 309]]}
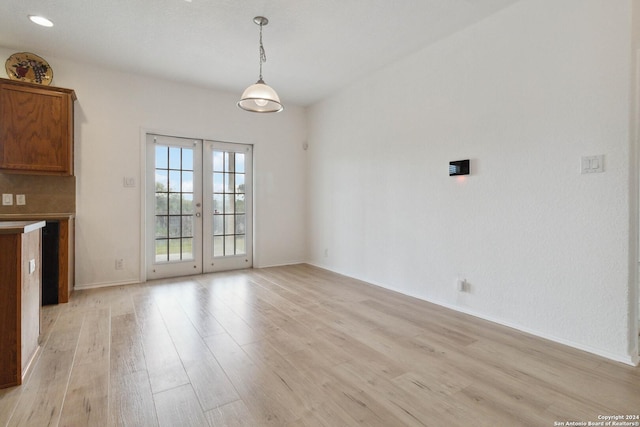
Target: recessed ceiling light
{"points": [[41, 20]]}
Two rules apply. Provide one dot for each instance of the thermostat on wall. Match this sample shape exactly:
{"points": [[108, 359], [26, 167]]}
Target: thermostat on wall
{"points": [[459, 167]]}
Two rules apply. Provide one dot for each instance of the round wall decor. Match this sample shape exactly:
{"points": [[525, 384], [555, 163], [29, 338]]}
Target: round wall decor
{"points": [[29, 67]]}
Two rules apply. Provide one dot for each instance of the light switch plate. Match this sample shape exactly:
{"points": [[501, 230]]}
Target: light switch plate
{"points": [[592, 164], [7, 199], [32, 266], [21, 199]]}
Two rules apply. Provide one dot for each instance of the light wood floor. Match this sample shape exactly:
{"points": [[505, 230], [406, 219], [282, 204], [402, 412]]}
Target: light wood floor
{"points": [[299, 346]]}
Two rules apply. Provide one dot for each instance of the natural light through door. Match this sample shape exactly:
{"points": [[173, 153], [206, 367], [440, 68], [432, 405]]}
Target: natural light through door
{"points": [[198, 204], [228, 227]]}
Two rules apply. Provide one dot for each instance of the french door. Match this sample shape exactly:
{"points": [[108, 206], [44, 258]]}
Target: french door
{"points": [[198, 206]]}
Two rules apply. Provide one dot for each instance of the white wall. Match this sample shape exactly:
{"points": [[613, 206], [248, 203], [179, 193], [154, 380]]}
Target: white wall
{"points": [[523, 94], [112, 110], [634, 124]]}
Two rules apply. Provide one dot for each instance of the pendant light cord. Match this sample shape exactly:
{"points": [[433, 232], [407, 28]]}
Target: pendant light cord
{"points": [[263, 55]]}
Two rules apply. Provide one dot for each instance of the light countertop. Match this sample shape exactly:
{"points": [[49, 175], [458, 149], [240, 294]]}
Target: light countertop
{"points": [[19, 227]]}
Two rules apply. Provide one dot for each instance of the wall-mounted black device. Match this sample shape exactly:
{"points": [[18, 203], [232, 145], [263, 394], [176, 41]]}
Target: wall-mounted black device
{"points": [[459, 167]]}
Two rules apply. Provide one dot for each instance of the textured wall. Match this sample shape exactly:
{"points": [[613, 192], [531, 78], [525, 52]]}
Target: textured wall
{"points": [[523, 94]]}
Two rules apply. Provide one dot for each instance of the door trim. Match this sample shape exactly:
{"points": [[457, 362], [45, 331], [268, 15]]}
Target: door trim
{"points": [[142, 266]]}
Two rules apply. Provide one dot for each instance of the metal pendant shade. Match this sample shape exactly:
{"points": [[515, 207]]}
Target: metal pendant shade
{"points": [[260, 97]]}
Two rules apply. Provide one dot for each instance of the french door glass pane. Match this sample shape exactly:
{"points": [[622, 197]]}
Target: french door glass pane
{"points": [[240, 203], [228, 199], [229, 203], [161, 203], [239, 183], [187, 226], [218, 200], [218, 164], [239, 220], [228, 182], [240, 244], [187, 248], [218, 225], [174, 226], [187, 204], [174, 250], [162, 179], [162, 253], [174, 203], [187, 182], [175, 206], [162, 158], [174, 157], [187, 160], [228, 162], [229, 245], [162, 226], [240, 163], [228, 225], [218, 245], [218, 183], [174, 181]]}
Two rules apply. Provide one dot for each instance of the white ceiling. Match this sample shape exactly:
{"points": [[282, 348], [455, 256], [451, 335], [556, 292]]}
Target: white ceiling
{"points": [[313, 47]]}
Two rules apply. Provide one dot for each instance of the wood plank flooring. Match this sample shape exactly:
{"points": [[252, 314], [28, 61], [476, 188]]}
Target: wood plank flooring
{"points": [[299, 346]]}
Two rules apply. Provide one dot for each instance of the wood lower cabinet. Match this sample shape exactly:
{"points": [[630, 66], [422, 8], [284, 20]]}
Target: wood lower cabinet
{"points": [[36, 136], [66, 261], [65, 248], [20, 275]]}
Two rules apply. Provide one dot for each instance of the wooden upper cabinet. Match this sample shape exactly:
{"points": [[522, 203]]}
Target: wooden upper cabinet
{"points": [[36, 129]]}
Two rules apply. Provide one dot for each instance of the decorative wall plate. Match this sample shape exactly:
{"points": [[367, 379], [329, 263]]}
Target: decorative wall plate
{"points": [[29, 67]]}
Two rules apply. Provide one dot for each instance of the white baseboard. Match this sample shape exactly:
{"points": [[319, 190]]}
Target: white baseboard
{"points": [[629, 360], [105, 285], [633, 359], [281, 265]]}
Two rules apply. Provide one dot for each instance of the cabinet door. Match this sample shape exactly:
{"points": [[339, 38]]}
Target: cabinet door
{"points": [[36, 135]]}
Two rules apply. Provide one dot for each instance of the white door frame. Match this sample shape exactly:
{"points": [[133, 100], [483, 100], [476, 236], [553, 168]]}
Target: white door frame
{"points": [[242, 262]]}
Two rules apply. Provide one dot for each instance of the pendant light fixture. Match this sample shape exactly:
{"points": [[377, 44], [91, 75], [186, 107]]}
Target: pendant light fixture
{"points": [[260, 97]]}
